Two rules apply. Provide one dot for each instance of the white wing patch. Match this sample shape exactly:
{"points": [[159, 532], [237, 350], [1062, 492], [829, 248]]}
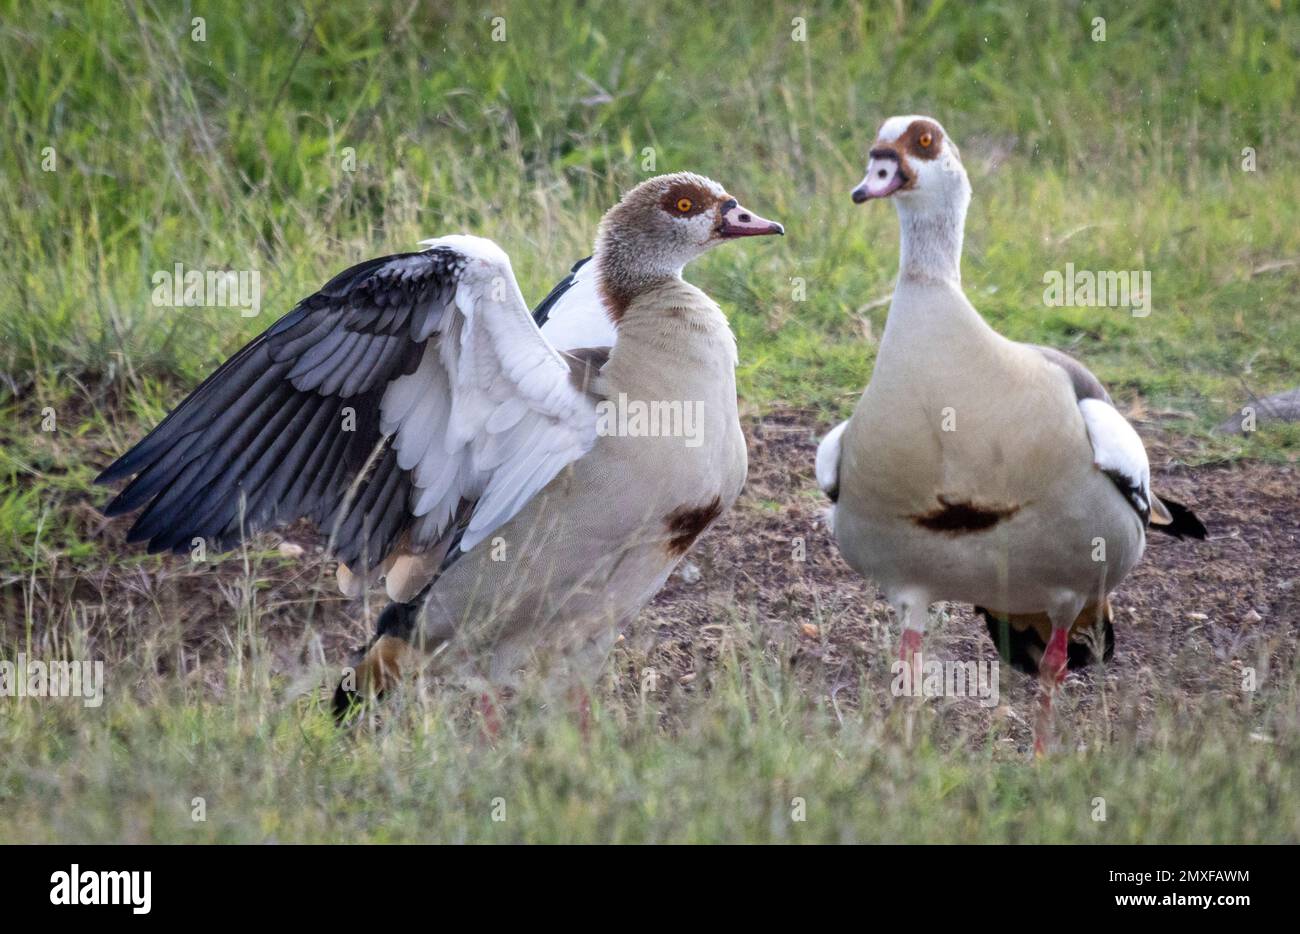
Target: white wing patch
{"points": [[579, 318], [1118, 451], [828, 461], [490, 414], [828, 470]]}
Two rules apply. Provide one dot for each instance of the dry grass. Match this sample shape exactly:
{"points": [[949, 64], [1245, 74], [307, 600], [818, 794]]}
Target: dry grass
{"points": [[232, 153]]}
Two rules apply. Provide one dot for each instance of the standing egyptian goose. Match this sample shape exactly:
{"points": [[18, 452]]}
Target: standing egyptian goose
{"points": [[976, 469], [413, 409]]}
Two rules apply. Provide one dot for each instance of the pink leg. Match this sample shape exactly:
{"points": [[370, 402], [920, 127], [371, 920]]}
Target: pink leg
{"points": [[581, 700], [909, 645], [909, 652], [1051, 672], [488, 710]]}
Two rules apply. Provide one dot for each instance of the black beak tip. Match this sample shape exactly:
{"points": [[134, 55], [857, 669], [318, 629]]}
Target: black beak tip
{"points": [[778, 229], [859, 196]]}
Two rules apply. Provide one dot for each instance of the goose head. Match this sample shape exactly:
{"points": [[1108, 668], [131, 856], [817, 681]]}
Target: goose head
{"points": [[669, 220], [660, 226], [914, 161]]}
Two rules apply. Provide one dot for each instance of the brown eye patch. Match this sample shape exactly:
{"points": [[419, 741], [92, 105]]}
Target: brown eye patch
{"points": [[923, 139], [687, 200]]}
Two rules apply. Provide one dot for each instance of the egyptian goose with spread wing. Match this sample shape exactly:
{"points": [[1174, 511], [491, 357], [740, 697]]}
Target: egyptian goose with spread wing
{"points": [[415, 412], [976, 469]]}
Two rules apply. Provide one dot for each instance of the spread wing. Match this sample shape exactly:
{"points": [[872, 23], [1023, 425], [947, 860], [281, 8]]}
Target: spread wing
{"points": [[408, 387]]}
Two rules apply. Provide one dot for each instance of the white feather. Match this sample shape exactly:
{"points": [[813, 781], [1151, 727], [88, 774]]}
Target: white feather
{"points": [[828, 459], [1115, 445], [579, 318], [471, 247], [490, 413]]}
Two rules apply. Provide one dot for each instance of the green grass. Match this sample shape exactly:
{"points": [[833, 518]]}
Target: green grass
{"points": [[234, 153], [751, 760]]}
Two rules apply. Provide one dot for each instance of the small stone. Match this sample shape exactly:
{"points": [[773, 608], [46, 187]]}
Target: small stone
{"points": [[290, 550], [810, 631], [689, 572], [1283, 407], [1006, 712]]}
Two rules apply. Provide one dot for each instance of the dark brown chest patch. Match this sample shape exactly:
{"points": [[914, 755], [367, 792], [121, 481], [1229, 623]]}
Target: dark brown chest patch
{"points": [[955, 517], [685, 524], [616, 299]]}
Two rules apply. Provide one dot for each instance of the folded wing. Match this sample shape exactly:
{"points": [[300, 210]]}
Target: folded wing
{"points": [[1117, 450]]}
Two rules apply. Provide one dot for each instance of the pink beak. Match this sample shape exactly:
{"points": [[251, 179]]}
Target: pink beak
{"points": [[739, 222], [884, 177]]}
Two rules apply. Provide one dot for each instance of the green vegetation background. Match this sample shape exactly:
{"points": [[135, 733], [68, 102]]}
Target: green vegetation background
{"points": [[296, 139]]}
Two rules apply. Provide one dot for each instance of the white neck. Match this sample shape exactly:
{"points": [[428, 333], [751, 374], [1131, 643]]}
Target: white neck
{"points": [[930, 238]]}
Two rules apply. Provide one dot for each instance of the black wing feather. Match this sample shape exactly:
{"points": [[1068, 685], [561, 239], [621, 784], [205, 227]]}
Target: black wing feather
{"points": [[543, 311], [1186, 523], [261, 442]]}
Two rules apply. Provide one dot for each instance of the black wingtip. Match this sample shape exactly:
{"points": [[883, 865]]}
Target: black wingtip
{"points": [[1185, 523], [121, 504], [114, 507], [156, 546], [343, 704], [118, 470]]}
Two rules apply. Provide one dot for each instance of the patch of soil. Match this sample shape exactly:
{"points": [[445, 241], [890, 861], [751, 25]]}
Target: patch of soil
{"points": [[1188, 620]]}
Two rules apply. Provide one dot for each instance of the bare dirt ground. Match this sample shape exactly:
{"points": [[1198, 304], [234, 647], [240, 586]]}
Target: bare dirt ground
{"points": [[1188, 620]]}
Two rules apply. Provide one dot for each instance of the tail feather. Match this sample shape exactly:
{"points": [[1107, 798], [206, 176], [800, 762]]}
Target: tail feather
{"points": [[1182, 523], [380, 665], [1021, 639]]}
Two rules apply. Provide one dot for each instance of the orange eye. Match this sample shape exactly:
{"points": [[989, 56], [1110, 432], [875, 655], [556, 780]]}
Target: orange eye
{"points": [[684, 204], [925, 140]]}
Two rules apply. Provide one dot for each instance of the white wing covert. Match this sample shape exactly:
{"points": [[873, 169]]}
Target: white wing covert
{"points": [[410, 391]]}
